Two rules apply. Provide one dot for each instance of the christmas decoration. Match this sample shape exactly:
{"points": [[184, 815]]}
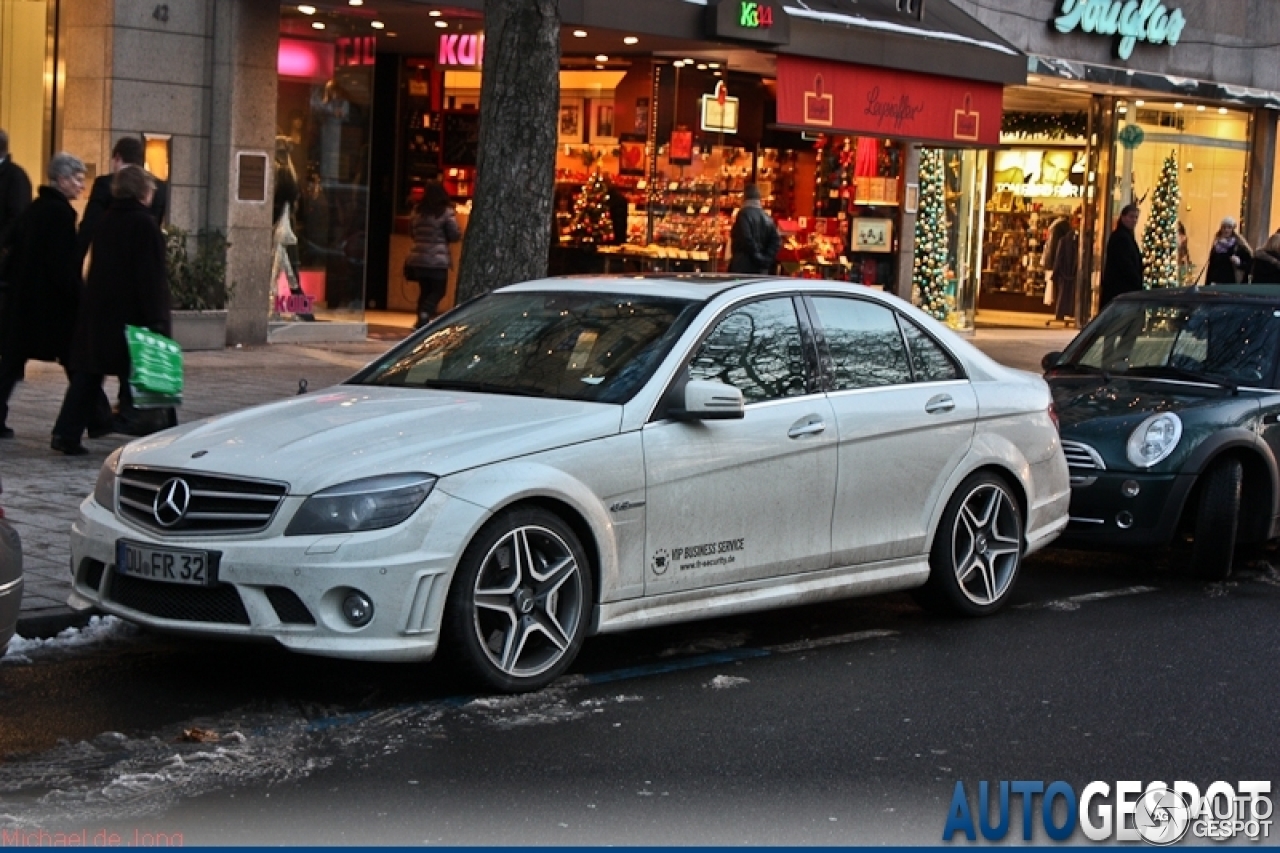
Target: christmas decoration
{"points": [[929, 271], [1045, 125], [591, 222], [1160, 239]]}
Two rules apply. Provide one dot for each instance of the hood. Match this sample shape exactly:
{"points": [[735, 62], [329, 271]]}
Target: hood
{"points": [[352, 431], [1090, 407]]}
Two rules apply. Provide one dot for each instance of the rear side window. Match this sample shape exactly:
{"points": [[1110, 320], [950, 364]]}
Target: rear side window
{"points": [[865, 343], [931, 362]]}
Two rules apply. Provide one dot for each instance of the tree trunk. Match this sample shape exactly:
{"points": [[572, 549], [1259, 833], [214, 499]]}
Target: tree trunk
{"points": [[509, 232]]}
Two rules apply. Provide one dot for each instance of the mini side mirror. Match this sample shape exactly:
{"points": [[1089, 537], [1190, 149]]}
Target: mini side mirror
{"points": [[1050, 360], [708, 400]]}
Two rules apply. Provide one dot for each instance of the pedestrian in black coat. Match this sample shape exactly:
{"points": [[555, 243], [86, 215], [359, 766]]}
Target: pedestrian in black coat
{"points": [[1230, 256], [127, 285], [15, 190], [1266, 263], [128, 151], [1123, 269], [754, 239], [44, 280]]}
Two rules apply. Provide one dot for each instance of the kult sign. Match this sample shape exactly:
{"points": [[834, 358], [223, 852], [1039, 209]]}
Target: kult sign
{"points": [[1133, 20]]}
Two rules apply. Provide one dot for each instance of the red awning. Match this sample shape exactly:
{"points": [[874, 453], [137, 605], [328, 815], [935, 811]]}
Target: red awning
{"points": [[835, 97]]}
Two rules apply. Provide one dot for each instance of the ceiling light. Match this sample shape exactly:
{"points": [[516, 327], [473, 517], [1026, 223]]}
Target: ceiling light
{"points": [[679, 63], [392, 35], [355, 2], [602, 58], [579, 34], [1222, 111], [702, 66], [718, 74], [1177, 105], [442, 24], [434, 13], [1200, 108], [377, 25], [630, 40], [1140, 103], [713, 64], [599, 67], [307, 10], [1122, 110], [317, 25], [688, 62]]}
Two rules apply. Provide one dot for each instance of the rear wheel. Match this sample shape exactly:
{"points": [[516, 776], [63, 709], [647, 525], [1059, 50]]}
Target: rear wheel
{"points": [[518, 606], [1217, 521], [977, 550]]}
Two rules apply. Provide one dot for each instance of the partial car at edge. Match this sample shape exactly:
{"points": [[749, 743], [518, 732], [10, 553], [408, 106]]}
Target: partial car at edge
{"points": [[577, 456], [10, 579]]}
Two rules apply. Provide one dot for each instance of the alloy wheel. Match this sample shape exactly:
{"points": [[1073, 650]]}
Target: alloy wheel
{"points": [[985, 544]]}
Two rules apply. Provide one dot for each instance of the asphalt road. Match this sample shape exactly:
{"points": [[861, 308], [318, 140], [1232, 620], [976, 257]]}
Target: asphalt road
{"points": [[846, 723]]}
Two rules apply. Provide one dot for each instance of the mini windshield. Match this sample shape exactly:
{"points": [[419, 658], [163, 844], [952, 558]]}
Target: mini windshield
{"points": [[598, 347], [1231, 343]]}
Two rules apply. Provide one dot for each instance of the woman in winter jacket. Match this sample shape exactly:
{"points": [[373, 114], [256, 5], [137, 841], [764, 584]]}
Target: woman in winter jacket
{"points": [[44, 277], [434, 226], [1230, 256], [1266, 263], [127, 285]]}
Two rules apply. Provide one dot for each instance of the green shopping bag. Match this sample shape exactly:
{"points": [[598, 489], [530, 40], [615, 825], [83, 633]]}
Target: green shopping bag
{"points": [[156, 377]]}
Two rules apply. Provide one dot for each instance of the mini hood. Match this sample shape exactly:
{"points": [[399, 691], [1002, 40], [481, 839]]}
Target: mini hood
{"points": [[351, 431]]}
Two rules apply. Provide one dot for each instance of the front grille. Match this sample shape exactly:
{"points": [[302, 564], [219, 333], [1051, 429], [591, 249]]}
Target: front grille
{"points": [[218, 504], [220, 604], [1082, 459], [288, 606]]}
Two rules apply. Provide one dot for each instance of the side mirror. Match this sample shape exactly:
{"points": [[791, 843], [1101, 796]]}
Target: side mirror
{"points": [[1050, 360], [708, 400]]}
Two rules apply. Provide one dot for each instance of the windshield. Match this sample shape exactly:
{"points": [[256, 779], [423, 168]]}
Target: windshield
{"points": [[597, 347], [1214, 341]]}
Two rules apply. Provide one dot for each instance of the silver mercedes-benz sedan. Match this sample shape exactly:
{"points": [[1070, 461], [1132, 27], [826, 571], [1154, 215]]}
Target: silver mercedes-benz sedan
{"points": [[576, 456]]}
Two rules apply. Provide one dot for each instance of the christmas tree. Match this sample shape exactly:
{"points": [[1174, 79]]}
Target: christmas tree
{"points": [[591, 222], [1160, 239], [929, 271]]}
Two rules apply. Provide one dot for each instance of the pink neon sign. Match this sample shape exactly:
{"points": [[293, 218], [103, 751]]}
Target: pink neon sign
{"points": [[464, 50]]}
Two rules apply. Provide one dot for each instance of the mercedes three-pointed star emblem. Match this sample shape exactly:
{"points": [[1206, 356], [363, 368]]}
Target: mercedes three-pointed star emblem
{"points": [[171, 503]]}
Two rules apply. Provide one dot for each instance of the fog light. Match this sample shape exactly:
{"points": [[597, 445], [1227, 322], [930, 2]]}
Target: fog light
{"points": [[1124, 520], [1130, 488], [357, 609]]}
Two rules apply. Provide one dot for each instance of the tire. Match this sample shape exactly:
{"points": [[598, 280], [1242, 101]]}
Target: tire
{"points": [[1217, 520], [977, 550], [519, 603]]}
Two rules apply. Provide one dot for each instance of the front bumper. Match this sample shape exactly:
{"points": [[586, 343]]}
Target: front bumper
{"points": [[289, 588], [1103, 516]]}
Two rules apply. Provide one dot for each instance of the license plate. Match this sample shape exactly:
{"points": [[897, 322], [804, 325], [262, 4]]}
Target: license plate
{"points": [[170, 565]]}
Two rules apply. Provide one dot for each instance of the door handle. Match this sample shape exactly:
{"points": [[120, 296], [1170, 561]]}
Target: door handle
{"points": [[812, 426], [940, 403]]}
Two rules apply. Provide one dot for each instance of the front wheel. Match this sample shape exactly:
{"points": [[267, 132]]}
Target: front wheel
{"points": [[977, 550], [518, 606], [1217, 520]]}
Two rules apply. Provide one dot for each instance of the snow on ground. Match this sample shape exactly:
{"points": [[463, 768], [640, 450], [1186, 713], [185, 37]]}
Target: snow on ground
{"points": [[101, 629]]}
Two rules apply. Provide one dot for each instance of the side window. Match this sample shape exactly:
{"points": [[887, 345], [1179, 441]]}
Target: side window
{"points": [[931, 362], [757, 349], [865, 344]]}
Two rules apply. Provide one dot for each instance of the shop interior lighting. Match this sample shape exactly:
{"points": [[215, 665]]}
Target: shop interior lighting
{"points": [[702, 66], [602, 58], [1200, 108], [317, 25], [713, 64], [1177, 105], [1222, 111], [579, 34], [679, 63], [1140, 103], [442, 24], [377, 25], [630, 40], [688, 62], [599, 67], [307, 10], [434, 13], [355, 2], [1122, 110]]}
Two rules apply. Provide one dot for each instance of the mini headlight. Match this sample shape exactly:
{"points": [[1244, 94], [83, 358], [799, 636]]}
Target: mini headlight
{"points": [[369, 504], [104, 491], [1154, 439]]}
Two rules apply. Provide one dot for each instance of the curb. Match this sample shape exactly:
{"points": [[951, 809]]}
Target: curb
{"points": [[43, 626]]}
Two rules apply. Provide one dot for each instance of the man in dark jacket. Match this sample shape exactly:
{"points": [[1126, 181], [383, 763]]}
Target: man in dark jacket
{"points": [[128, 151], [754, 239], [15, 190], [1123, 270]]}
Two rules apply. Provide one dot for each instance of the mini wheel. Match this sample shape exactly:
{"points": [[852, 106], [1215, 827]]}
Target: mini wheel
{"points": [[519, 603], [1217, 520]]}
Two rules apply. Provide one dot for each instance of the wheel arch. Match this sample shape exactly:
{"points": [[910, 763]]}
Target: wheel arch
{"points": [[1258, 489], [998, 468]]}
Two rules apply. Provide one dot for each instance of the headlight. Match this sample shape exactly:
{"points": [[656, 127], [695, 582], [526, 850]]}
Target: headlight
{"points": [[369, 504], [104, 491], [1154, 439]]}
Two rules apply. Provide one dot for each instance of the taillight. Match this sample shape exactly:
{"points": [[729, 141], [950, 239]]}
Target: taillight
{"points": [[1053, 416]]}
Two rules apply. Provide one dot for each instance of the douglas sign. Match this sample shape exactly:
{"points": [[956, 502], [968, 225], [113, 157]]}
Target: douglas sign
{"points": [[1132, 20]]}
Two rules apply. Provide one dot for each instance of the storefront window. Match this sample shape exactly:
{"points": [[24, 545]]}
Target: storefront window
{"points": [[965, 178], [1212, 149], [321, 199], [23, 25]]}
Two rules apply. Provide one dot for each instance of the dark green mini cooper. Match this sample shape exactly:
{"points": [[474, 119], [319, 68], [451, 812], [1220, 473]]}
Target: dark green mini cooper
{"points": [[1169, 410]]}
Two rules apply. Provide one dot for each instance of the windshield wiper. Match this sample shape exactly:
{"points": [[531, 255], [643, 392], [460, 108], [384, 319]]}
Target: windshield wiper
{"points": [[1183, 373]]}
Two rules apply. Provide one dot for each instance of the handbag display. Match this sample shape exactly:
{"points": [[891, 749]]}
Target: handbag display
{"points": [[156, 374]]}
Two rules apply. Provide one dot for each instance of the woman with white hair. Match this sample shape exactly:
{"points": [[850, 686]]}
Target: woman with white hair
{"points": [[44, 272], [1230, 257]]}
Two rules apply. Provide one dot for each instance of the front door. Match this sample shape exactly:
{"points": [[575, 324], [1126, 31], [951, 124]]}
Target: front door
{"points": [[740, 500]]}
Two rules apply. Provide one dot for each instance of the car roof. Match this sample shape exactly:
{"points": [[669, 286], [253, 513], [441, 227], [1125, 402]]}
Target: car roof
{"points": [[697, 287], [1232, 292]]}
